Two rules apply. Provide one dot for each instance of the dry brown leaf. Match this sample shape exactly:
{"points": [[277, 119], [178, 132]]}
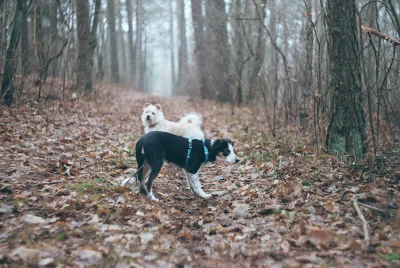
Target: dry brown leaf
{"points": [[320, 238]]}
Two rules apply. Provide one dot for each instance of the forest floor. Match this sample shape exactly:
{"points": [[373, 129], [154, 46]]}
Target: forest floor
{"points": [[285, 205]]}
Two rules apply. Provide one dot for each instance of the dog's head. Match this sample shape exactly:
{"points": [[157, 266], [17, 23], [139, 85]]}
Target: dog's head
{"points": [[152, 114], [224, 148]]}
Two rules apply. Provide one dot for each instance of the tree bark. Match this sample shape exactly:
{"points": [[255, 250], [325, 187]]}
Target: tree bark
{"points": [[346, 130], [139, 71], [131, 47], [260, 50], [7, 87], [25, 46], [199, 52], [113, 42], [172, 49], [84, 77], [218, 51], [182, 51], [121, 41]]}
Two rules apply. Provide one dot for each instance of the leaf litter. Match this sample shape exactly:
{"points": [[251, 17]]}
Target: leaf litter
{"points": [[284, 205]]}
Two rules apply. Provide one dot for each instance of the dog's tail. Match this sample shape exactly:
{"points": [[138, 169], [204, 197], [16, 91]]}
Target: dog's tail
{"points": [[192, 118]]}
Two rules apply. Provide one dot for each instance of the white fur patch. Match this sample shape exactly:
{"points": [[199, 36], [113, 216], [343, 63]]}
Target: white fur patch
{"points": [[195, 185], [152, 197], [189, 126], [231, 158], [128, 180]]}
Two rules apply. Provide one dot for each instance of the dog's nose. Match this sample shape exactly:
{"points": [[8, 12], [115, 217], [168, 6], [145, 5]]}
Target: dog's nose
{"points": [[237, 160], [148, 117]]}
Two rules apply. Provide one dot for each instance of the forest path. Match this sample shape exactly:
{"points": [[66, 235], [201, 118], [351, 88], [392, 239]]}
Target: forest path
{"points": [[283, 206]]}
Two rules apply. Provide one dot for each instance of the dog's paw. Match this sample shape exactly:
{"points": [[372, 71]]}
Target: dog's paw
{"points": [[128, 180], [152, 197], [204, 195]]}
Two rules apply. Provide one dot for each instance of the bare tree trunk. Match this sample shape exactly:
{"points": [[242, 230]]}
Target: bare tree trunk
{"points": [[84, 77], [308, 70], [121, 41], [172, 48], [25, 46], [273, 64], [182, 51], [198, 26], [260, 51], [346, 129], [113, 41], [139, 25], [218, 51], [7, 87], [131, 47]]}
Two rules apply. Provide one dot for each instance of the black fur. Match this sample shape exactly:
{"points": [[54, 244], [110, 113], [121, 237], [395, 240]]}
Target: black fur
{"points": [[158, 146]]}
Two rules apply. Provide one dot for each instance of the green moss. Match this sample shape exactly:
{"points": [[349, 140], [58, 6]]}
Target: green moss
{"points": [[394, 256]]}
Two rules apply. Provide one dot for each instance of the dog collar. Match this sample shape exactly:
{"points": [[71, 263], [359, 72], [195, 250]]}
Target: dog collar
{"points": [[189, 151], [205, 151]]}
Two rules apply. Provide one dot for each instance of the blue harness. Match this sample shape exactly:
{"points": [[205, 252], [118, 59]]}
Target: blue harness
{"points": [[190, 151]]}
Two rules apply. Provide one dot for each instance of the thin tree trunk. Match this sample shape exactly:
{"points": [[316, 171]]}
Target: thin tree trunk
{"points": [[113, 41], [7, 87], [84, 77], [182, 51], [259, 51], [198, 25], [139, 71], [131, 47], [172, 48], [25, 46], [121, 41]]}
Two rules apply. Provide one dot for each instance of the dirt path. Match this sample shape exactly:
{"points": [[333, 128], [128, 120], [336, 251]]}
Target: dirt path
{"points": [[284, 206]]}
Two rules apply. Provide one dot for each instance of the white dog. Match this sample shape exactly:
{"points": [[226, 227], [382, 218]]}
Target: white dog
{"points": [[189, 126]]}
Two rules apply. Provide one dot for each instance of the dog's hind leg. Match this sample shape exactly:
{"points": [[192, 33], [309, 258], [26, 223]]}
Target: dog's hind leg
{"points": [[155, 169], [195, 185], [142, 173]]}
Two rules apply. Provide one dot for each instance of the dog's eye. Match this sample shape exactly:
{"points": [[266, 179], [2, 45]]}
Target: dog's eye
{"points": [[226, 152], [152, 113]]}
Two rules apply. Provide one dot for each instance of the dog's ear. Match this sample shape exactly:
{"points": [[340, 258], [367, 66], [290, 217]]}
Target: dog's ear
{"points": [[158, 106], [147, 104], [217, 145]]}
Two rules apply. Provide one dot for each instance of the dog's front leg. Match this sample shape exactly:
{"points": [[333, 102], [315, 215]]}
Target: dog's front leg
{"points": [[195, 185]]}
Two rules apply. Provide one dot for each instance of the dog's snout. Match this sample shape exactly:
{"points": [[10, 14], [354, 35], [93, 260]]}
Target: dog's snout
{"points": [[148, 117], [237, 160]]}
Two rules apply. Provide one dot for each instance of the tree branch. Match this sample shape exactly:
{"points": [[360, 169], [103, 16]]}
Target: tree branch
{"points": [[395, 42]]}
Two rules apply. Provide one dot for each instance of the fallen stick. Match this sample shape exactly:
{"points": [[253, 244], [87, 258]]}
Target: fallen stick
{"points": [[373, 208], [362, 218]]}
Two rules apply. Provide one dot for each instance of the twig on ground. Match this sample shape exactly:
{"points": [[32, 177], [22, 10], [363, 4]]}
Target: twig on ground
{"points": [[362, 218], [373, 208]]}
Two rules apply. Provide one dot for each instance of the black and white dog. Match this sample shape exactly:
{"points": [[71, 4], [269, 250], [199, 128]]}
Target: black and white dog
{"points": [[156, 147]]}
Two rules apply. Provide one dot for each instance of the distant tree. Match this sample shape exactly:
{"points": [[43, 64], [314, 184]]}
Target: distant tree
{"points": [[87, 41], [172, 48], [199, 52], [131, 47], [139, 51], [260, 49], [7, 87], [25, 43], [220, 81], [113, 41], [346, 130], [182, 51], [121, 41], [83, 74]]}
